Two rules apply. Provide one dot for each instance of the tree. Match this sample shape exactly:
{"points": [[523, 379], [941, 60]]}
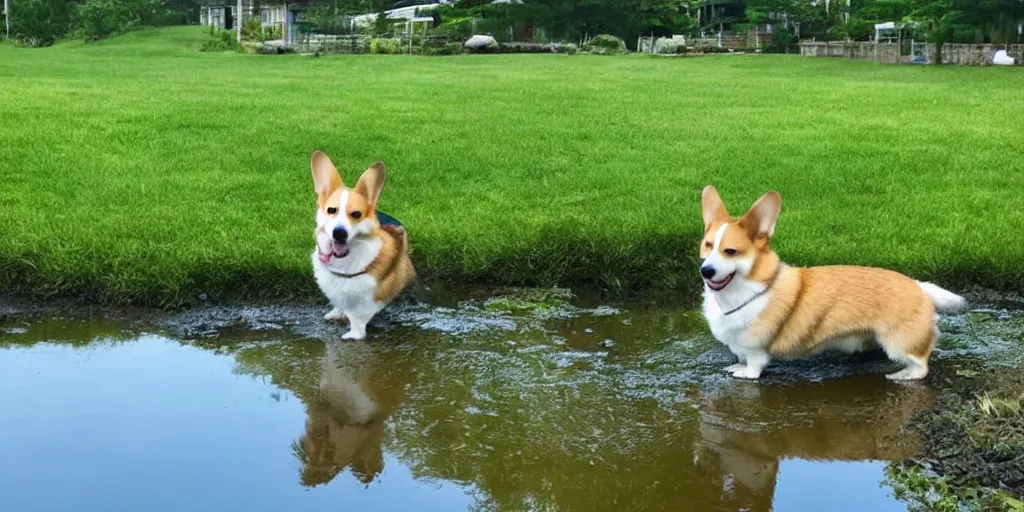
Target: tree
{"points": [[938, 18], [39, 22]]}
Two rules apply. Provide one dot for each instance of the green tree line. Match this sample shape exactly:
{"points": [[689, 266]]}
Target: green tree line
{"points": [[40, 22]]}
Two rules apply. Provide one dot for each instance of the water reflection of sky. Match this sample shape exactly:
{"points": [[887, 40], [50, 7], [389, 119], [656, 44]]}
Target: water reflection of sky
{"points": [[156, 426], [836, 486], [151, 424]]}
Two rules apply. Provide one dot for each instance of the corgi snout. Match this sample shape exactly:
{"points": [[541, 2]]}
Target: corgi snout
{"points": [[707, 271], [340, 234]]}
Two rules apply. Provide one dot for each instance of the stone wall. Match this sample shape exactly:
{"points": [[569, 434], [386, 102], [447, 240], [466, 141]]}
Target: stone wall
{"points": [[852, 50], [975, 54], [956, 54]]}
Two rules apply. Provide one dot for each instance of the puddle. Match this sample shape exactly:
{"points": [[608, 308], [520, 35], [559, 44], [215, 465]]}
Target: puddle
{"points": [[478, 405]]}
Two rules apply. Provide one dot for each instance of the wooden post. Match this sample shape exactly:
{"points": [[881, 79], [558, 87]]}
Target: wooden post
{"points": [[238, 23], [285, 40], [899, 47]]}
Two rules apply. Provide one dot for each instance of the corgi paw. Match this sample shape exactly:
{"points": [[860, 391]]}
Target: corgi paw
{"points": [[334, 314], [733, 368], [747, 372], [353, 335], [909, 373]]}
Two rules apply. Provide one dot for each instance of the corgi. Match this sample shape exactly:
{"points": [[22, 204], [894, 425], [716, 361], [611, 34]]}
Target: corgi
{"points": [[360, 265], [763, 309]]}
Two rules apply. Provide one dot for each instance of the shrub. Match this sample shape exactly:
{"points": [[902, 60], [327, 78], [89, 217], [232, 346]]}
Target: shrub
{"points": [[96, 19], [269, 49], [524, 48], [566, 48], [469, 4], [224, 41], [252, 29], [39, 22], [605, 44], [450, 49], [383, 26], [385, 45], [271, 33], [456, 28]]}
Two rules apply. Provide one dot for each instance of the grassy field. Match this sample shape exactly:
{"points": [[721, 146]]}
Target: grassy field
{"points": [[140, 169]]}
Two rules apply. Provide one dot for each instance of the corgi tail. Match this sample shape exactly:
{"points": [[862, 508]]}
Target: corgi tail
{"points": [[945, 301]]}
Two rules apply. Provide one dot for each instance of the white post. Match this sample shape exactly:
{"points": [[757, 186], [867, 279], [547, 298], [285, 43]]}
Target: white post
{"points": [[284, 27], [7, 18], [238, 23]]}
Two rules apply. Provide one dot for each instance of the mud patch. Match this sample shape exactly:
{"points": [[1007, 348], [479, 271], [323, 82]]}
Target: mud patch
{"points": [[974, 434]]}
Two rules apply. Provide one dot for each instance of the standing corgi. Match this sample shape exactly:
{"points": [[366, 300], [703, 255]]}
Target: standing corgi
{"points": [[359, 264], [763, 309]]}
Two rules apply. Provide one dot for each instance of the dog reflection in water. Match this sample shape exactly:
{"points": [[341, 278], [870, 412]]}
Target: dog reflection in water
{"points": [[346, 420], [744, 436]]}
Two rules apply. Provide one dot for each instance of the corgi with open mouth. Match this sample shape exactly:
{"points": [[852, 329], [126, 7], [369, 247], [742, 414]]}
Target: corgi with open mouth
{"points": [[763, 309], [361, 261]]}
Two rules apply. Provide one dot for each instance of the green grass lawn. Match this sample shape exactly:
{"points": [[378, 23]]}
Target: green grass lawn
{"points": [[140, 169]]}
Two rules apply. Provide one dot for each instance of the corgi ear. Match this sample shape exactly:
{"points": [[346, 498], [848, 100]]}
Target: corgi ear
{"points": [[714, 208], [325, 176], [371, 183], [760, 220]]}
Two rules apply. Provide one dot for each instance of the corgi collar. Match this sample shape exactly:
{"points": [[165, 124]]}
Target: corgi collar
{"points": [[346, 276], [335, 272], [758, 294]]}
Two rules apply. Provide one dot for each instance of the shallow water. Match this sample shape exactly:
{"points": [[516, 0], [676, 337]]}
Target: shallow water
{"points": [[482, 405]]}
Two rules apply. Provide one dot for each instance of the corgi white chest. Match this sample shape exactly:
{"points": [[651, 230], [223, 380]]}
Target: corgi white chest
{"points": [[730, 312], [348, 294], [354, 293]]}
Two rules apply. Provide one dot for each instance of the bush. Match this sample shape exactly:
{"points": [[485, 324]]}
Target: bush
{"points": [[566, 48], [782, 41], [385, 45], [383, 26], [469, 4], [456, 28], [39, 22], [273, 49], [605, 44], [450, 49], [224, 41], [96, 19], [271, 33], [252, 29]]}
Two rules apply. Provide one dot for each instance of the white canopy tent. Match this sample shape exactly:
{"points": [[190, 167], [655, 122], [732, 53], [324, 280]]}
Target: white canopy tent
{"points": [[886, 28], [891, 30]]}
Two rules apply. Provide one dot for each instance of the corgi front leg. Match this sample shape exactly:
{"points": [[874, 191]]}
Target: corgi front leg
{"points": [[334, 314], [358, 318], [741, 358], [752, 362], [356, 327]]}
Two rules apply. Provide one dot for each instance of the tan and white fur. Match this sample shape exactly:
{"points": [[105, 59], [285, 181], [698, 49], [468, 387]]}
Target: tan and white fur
{"points": [[763, 309], [359, 265]]}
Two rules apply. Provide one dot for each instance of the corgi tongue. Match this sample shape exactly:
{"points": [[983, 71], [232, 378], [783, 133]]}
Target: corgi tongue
{"points": [[339, 249]]}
